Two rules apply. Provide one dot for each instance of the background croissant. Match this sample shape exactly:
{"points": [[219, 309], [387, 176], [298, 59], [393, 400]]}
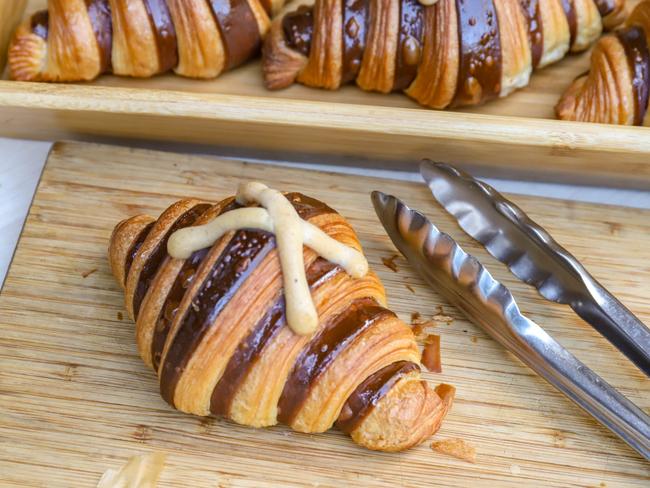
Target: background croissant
{"points": [[615, 90], [78, 40], [213, 327], [449, 54]]}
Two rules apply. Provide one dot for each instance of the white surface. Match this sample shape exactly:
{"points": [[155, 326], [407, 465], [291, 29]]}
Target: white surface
{"points": [[21, 163]]}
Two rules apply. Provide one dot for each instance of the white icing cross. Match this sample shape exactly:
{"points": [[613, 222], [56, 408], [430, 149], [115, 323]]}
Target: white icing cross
{"points": [[278, 216]]}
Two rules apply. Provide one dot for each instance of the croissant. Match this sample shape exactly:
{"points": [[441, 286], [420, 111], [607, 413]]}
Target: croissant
{"points": [[615, 89], [450, 53], [78, 40], [218, 324]]}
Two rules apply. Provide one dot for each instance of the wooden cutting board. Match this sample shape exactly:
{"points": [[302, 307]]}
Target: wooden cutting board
{"points": [[75, 398]]}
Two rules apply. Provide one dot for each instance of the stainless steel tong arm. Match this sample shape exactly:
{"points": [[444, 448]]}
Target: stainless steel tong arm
{"points": [[534, 257], [464, 282]]}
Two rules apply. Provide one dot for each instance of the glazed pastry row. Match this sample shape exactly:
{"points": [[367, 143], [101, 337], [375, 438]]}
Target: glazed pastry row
{"points": [[214, 328], [615, 90], [78, 40], [451, 53]]}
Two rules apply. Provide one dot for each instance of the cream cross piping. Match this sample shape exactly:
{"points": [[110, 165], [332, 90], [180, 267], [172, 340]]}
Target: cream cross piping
{"points": [[276, 215]]}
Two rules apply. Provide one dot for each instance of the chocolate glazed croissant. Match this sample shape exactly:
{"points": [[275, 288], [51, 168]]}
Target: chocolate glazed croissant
{"points": [[214, 328], [78, 40], [452, 53], [616, 88]]}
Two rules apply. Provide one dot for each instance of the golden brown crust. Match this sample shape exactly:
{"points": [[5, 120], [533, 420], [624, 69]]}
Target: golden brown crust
{"points": [[439, 49], [435, 83], [590, 24], [27, 55], [371, 346], [257, 399], [323, 68], [515, 49], [617, 16], [134, 42], [68, 49], [280, 64], [609, 93], [72, 46], [121, 242], [605, 95], [640, 16], [555, 32], [378, 66], [162, 225], [409, 414], [200, 47]]}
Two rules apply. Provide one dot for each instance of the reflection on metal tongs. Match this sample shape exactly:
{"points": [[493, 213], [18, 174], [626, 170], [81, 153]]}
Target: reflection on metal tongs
{"points": [[465, 283], [534, 257]]}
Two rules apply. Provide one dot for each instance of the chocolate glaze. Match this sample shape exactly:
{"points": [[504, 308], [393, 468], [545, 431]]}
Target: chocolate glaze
{"points": [[172, 302], [165, 33], [237, 261], [175, 296], [535, 29], [636, 50], [135, 247], [239, 30], [479, 71], [409, 45], [298, 28], [159, 253], [99, 12], [308, 207], [360, 404], [572, 18], [605, 7], [250, 349], [267, 6], [355, 30], [41, 24], [321, 352]]}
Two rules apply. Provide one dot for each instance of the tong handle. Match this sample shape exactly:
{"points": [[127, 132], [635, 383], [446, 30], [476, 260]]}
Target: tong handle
{"points": [[542, 353], [534, 257], [617, 324]]}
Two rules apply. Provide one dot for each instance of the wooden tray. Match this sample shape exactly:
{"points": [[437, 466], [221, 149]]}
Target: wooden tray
{"points": [[516, 136], [76, 399]]}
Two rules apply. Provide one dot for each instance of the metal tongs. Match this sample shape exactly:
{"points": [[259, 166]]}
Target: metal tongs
{"points": [[534, 257]]}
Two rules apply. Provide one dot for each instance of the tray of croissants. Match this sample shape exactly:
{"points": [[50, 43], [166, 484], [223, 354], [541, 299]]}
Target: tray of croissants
{"points": [[554, 87]]}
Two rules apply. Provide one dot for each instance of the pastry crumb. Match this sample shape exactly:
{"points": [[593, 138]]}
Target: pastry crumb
{"points": [[419, 324], [443, 318], [409, 288], [390, 263], [457, 448], [140, 471], [431, 354], [120, 316], [86, 274]]}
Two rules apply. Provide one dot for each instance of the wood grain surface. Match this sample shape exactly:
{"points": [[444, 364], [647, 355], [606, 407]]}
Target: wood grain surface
{"points": [[515, 136], [75, 399]]}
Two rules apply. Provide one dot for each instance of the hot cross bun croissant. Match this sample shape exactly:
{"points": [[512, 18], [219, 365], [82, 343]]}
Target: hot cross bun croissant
{"points": [[442, 54], [78, 40], [214, 328], [616, 87]]}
